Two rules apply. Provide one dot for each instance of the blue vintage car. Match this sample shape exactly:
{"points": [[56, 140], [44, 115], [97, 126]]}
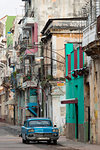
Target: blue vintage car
{"points": [[39, 129]]}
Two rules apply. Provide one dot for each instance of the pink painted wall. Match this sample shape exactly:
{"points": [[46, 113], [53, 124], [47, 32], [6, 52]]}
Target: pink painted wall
{"points": [[34, 40]]}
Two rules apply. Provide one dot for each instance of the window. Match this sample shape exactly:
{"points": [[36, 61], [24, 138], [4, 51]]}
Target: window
{"points": [[40, 123]]}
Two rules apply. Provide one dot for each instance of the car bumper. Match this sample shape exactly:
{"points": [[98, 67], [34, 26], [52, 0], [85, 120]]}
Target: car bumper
{"points": [[35, 138]]}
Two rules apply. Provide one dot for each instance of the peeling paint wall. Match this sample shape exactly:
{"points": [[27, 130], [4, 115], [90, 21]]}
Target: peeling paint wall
{"points": [[61, 40], [86, 109], [58, 52], [95, 101], [59, 110], [46, 9]]}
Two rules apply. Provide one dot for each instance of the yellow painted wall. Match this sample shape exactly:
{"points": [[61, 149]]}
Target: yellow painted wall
{"points": [[61, 40]]}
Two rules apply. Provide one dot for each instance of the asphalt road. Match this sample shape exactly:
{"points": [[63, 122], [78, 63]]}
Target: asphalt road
{"points": [[9, 141]]}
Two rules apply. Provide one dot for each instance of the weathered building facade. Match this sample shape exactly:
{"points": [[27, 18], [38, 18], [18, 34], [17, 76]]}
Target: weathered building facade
{"points": [[6, 52], [77, 99], [56, 34], [42, 10], [91, 46], [37, 12]]}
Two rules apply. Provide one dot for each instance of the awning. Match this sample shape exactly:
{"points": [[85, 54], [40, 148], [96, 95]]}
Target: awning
{"points": [[70, 101]]}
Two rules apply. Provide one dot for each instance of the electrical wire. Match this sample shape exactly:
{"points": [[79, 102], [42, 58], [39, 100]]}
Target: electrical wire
{"points": [[54, 60], [48, 50]]}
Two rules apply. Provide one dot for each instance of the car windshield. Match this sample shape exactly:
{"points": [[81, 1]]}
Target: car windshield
{"points": [[39, 123]]}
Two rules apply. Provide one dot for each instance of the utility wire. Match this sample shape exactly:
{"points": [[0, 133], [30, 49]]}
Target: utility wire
{"points": [[54, 60]]}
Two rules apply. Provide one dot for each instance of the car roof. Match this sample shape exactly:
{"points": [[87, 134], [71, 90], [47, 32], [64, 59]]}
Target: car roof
{"points": [[37, 119]]}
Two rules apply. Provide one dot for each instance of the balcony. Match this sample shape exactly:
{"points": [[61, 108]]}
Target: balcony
{"points": [[29, 21], [28, 84], [90, 34], [91, 43]]}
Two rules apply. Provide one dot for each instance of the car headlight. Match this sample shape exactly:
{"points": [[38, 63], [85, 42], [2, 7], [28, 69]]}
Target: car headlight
{"points": [[55, 130], [31, 130]]}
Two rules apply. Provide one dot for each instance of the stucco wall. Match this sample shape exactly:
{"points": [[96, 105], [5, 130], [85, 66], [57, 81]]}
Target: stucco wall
{"points": [[95, 101], [3, 106], [46, 9], [60, 40], [59, 110]]}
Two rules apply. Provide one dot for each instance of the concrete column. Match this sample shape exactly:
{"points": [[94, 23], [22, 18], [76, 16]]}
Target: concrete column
{"points": [[92, 117]]}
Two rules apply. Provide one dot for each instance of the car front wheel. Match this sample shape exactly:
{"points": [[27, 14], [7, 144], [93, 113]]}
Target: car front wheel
{"points": [[55, 142], [27, 141], [23, 141]]}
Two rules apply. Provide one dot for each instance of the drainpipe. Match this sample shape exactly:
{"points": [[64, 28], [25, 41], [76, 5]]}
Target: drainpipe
{"points": [[18, 110], [40, 101], [14, 115], [51, 60], [51, 85], [51, 103], [42, 76]]}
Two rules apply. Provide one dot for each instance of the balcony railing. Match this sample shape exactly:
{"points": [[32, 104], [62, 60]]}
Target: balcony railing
{"points": [[25, 44], [90, 34], [29, 21]]}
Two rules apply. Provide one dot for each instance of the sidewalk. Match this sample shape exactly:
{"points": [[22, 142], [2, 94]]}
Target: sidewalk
{"points": [[77, 145], [15, 130]]}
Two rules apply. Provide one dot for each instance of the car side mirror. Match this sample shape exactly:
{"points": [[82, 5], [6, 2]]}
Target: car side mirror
{"points": [[55, 125]]}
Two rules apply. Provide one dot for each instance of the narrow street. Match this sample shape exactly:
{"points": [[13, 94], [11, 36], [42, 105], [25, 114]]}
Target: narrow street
{"points": [[50, 74], [10, 140], [13, 142]]}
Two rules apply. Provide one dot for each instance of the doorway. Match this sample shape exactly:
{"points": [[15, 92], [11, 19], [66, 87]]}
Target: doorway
{"points": [[89, 123], [76, 127]]}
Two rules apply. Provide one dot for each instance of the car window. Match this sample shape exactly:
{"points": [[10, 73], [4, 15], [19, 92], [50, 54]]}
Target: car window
{"points": [[40, 123]]}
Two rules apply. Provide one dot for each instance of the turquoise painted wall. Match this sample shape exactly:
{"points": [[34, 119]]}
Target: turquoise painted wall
{"points": [[74, 89]]}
